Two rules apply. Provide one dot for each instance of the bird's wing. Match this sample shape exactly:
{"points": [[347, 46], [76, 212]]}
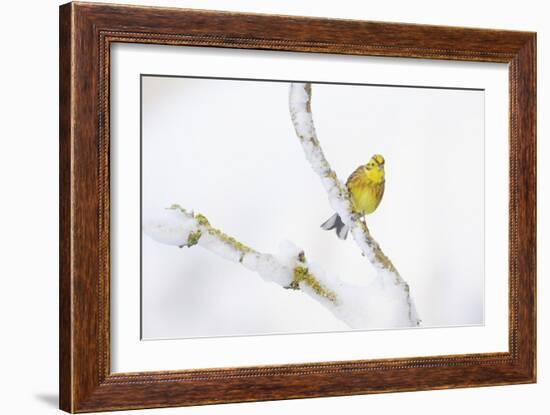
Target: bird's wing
{"points": [[380, 192], [355, 175]]}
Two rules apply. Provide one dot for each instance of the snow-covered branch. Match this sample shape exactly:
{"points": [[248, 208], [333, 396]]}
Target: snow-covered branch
{"points": [[384, 303], [300, 111], [358, 307]]}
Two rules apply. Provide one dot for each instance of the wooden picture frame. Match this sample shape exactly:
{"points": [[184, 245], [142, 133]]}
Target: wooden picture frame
{"points": [[86, 33]]}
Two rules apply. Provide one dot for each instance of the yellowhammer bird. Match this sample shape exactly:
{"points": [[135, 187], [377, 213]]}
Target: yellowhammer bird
{"points": [[366, 187]]}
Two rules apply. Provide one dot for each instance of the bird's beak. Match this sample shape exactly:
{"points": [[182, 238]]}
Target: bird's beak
{"points": [[380, 166]]}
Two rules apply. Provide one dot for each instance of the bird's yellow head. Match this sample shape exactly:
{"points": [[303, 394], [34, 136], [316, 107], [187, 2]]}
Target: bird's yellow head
{"points": [[375, 168]]}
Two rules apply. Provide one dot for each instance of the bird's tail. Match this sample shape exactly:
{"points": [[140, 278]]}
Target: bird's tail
{"points": [[335, 222]]}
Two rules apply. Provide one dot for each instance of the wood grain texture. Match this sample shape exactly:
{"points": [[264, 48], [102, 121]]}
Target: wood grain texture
{"points": [[86, 33], [65, 246]]}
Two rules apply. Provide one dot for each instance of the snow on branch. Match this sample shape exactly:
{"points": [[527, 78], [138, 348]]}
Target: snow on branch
{"points": [[302, 118], [359, 307], [384, 303]]}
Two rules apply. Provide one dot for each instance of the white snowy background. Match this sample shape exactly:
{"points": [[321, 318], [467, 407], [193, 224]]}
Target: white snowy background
{"points": [[228, 149]]}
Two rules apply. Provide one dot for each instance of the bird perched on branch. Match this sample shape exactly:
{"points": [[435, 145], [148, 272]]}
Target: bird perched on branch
{"points": [[366, 188]]}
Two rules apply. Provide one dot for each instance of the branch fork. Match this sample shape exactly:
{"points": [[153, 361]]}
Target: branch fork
{"points": [[385, 303]]}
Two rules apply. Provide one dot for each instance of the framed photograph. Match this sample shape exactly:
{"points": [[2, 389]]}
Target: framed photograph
{"points": [[259, 207]]}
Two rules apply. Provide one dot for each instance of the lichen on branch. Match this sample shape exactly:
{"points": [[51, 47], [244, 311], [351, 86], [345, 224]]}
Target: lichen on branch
{"points": [[302, 119], [289, 269], [383, 303]]}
